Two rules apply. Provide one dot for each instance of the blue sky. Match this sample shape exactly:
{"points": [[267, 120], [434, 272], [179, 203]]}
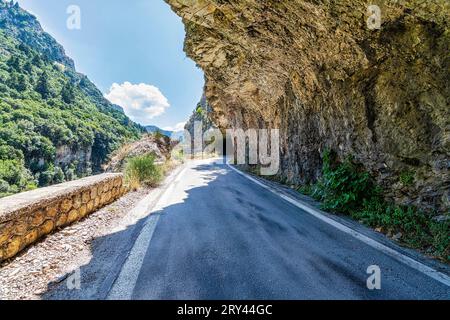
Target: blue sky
{"points": [[135, 44]]}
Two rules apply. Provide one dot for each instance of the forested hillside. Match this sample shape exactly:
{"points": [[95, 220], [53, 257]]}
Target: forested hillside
{"points": [[55, 124]]}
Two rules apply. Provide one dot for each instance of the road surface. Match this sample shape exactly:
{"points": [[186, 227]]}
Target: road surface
{"points": [[215, 234]]}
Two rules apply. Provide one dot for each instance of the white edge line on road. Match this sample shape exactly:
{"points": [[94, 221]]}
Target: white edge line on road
{"points": [[125, 283], [436, 275]]}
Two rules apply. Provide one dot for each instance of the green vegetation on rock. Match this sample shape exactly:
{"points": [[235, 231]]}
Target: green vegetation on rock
{"points": [[407, 178], [55, 125], [347, 189]]}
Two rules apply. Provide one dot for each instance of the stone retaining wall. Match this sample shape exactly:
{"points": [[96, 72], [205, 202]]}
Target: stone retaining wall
{"points": [[28, 216]]}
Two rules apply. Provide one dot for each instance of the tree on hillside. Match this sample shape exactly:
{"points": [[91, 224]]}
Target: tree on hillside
{"points": [[17, 81], [68, 93], [43, 85], [24, 48], [37, 61], [46, 59], [28, 67], [21, 83], [13, 63]]}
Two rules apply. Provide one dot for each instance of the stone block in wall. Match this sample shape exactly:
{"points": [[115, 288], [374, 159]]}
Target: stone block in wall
{"points": [[62, 220], [94, 192], [76, 201], [66, 205], [51, 211], [86, 196]]}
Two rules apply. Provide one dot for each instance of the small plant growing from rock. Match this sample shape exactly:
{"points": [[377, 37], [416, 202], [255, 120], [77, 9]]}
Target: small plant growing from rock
{"points": [[407, 177]]}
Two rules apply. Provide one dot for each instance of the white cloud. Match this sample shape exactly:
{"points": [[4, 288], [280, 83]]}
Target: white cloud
{"points": [[141, 102], [176, 128]]}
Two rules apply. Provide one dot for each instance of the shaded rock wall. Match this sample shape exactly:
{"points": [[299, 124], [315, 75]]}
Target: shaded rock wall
{"points": [[316, 71]]}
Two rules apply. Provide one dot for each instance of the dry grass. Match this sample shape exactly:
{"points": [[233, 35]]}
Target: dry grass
{"points": [[142, 170]]}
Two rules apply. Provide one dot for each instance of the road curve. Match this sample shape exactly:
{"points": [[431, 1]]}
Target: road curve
{"points": [[218, 235]]}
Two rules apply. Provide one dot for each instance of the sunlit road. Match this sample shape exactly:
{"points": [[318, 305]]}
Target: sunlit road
{"points": [[218, 235]]}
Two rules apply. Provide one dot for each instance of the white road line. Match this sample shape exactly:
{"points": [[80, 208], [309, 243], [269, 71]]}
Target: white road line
{"points": [[126, 281], [436, 275]]}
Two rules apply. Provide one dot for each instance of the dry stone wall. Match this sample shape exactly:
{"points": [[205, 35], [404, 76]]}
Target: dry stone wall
{"points": [[29, 216]]}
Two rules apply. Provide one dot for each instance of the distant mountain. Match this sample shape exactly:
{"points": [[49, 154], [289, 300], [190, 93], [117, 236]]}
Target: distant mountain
{"points": [[153, 129], [174, 135], [55, 124], [178, 136]]}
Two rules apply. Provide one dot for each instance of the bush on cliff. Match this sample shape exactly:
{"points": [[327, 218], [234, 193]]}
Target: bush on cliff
{"points": [[344, 186]]}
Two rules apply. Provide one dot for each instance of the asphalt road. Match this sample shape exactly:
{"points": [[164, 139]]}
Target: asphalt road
{"points": [[218, 235]]}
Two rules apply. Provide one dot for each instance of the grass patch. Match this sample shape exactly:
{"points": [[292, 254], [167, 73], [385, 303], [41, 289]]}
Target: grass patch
{"points": [[346, 188], [142, 170], [418, 230]]}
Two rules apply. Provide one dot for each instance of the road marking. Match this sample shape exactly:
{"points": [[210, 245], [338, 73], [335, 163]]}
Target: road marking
{"points": [[125, 283], [436, 275]]}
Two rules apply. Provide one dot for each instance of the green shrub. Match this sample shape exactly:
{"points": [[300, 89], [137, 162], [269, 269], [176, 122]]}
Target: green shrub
{"points": [[306, 189], [440, 232], [178, 154], [141, 170], [418, 229], [346, 188], [199, 110], [343, 186]]}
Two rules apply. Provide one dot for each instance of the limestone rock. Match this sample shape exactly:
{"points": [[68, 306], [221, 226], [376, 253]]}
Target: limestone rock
{"points": [[316, 71]]}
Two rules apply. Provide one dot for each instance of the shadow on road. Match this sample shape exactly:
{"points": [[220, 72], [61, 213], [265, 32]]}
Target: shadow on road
{"points": [[108, 253], [223, 237]]}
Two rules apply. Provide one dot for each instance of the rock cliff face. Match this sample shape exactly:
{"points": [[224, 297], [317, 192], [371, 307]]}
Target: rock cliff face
{"points": [[199, 122], [315, 70], [23, 26], [201, 115]]}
